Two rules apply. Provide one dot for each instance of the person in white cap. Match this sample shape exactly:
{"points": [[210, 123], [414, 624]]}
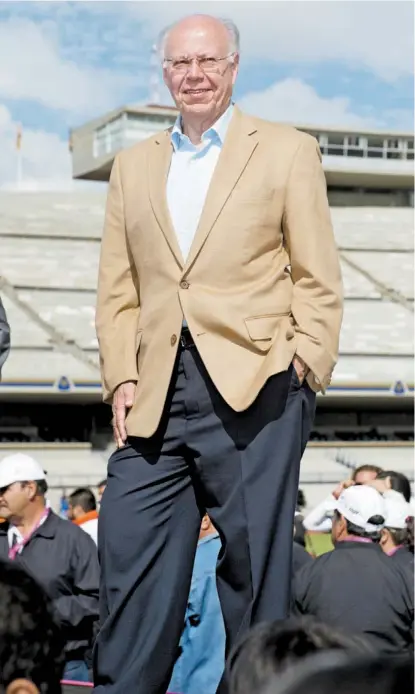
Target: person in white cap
{"points": [[356, 587], [397, 539], [57, 553]]}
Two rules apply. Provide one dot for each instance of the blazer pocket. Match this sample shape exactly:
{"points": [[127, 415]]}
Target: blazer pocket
{"points": [[261, 329]]}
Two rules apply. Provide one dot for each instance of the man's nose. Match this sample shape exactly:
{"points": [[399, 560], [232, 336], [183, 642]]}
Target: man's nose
{"points": [[195, 71]]}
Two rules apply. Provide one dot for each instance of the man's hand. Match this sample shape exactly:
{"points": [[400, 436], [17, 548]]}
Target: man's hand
{"points": [[123, 400], [300, 367]]}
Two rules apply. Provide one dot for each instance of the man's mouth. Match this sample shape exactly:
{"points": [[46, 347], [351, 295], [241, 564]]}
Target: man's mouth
{"points": [[196, 91]]}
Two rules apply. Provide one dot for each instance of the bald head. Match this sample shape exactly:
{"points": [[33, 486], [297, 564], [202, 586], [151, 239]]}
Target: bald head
{"points": [[200, 65], [223, 32]]}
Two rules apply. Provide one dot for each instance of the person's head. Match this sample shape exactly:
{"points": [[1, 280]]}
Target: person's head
{"points": [[101, 489], [272, 648], [399, 523], [81, 501], [365, 473], [325, 673], [200, 57], [397, 481], [206, 527], [31, 643], [301, 500], [22, 487], [360, 512]]}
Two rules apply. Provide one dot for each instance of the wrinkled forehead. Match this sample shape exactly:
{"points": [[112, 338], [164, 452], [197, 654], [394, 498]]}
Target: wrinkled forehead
{"points": [[203, 40]]}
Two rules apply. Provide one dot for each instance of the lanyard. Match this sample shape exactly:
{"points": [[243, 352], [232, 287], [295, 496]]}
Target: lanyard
{"points": [[17, 548]]}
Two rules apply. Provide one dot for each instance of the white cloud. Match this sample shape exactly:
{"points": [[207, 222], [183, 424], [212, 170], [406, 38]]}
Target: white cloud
{"points": [[377, 36], [46, 162], [294, 101], [31, 68]]}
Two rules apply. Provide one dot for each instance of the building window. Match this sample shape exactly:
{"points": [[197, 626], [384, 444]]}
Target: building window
{"points": [[376, 147], [396, 149], [335, 144], [108, 138], [356, 146]]}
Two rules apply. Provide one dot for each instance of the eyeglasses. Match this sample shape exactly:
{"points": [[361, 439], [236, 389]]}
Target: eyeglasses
{"points": [[207, 65]]}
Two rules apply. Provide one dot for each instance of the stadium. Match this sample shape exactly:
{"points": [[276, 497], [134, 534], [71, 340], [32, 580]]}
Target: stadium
{"points": [[50, 395]]}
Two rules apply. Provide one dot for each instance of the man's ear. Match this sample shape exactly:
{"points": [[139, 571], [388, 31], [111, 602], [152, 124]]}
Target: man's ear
{"points": [[22, 686]]}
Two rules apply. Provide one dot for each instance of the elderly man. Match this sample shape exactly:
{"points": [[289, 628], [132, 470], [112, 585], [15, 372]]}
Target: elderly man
{"points": [[218, 318]]}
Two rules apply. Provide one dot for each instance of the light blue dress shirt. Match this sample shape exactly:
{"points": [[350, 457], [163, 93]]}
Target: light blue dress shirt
{"points": [[190, 174]]}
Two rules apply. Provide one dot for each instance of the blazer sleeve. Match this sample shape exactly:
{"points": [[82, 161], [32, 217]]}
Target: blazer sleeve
{"points": [[317, 304], [118, 303], [4, 336]]}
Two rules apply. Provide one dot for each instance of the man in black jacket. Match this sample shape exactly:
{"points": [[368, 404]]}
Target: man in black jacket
{"points": [[4, 336], [356, 587], [57, 553]]}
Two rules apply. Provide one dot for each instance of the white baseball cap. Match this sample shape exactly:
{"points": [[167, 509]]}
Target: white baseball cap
{"points": [[397, 510], [19, 468], [360, 503]]}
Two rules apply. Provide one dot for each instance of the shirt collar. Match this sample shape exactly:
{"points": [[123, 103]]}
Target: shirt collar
{"points": [[208, 538], [46, 528], [216, 133]]}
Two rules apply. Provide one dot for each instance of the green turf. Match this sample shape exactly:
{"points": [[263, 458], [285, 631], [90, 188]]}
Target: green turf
{"points": [[318, 543]]}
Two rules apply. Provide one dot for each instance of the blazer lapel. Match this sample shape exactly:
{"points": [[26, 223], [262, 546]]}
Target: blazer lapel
{"points": [[236, 152], [158, 168]]}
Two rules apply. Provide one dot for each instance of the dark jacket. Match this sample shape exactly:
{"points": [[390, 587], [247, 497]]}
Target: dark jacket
{"points": [[359, 589], [4, 336], [299, 530], [64, 560], [404, 558], [300, 557]]}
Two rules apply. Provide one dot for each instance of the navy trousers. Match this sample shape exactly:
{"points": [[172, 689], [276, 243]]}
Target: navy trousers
{"points": [[240, 468]]}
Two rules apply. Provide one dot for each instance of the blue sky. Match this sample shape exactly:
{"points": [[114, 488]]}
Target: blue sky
{"points": [[63, 63]]}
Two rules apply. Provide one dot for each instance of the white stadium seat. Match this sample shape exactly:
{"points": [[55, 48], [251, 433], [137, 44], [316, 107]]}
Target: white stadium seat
{"points": [[382, 228], [395, 270], [57, 263], [50, 252]]}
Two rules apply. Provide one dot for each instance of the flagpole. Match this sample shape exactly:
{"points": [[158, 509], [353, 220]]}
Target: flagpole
{"points": [[19, 157]]}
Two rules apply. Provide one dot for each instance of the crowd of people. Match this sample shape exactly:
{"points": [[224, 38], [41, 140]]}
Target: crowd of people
{"points": [[351, 608]]}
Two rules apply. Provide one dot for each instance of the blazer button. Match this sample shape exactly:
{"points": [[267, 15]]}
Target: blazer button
{"points": [[173, 340], [184, 284], [290, 334]]}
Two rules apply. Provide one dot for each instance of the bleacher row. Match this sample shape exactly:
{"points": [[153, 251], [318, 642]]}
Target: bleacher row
{"points": [[49, 260], [322, 467]]}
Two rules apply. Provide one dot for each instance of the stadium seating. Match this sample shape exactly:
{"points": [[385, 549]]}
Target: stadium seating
{"points": [[70, 214], [50, 253], [67, 465], [377, 228], [43, 263], [376, 327], [395, 270], [324, 465]]}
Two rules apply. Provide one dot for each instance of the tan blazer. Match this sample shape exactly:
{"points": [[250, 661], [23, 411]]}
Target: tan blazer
{"points": [[262, 280]]}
